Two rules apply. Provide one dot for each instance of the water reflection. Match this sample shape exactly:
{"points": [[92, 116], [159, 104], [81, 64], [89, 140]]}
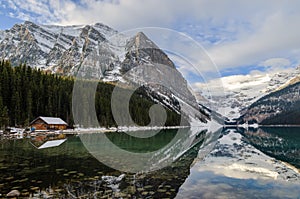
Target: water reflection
{"points": [[47, 140], [207, 185], [237, 169], [69, 170], [283, 143], [131, 153]]}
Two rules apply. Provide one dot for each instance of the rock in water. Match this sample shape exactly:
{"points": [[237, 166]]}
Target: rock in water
{"points": [[13, 193]]}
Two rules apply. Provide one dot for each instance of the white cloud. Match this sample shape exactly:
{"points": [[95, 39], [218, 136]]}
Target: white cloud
{"points": [[235, 33], [277, 36], [39, 11], [276, 63]]}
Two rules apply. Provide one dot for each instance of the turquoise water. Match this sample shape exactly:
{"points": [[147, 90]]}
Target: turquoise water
{"points": [[79, 167], [70, 170]]}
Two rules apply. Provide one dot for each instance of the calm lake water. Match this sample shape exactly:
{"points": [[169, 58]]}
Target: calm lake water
{"points": [[88, 166], [281, 143]]}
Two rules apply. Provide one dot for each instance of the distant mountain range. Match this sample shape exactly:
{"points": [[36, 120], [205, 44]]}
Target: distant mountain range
{"points": [[281, 107], [243, 96], [270, 98], [104, 54]]}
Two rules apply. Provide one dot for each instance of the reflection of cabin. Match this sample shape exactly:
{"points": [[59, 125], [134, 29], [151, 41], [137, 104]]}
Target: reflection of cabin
{"points": [[49, 140], [48, 123]]}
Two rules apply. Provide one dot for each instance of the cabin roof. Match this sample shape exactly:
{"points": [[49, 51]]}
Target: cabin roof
{"points": [[50, 120]]}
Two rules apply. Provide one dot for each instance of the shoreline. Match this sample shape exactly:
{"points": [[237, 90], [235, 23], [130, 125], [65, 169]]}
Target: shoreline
{"points": [[122, 129], [25, 134], [261, 126]]}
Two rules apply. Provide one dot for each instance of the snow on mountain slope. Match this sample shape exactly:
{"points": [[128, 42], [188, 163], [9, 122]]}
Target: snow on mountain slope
{"points": [[2, 35], [100, 52], [293, 80], [57, 48], [277, 108], [240, 91]]}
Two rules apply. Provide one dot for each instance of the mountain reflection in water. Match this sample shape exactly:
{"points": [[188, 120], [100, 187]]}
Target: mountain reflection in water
{"points": [[243, 164], [69, 170], [229, 163], [282, 143]]}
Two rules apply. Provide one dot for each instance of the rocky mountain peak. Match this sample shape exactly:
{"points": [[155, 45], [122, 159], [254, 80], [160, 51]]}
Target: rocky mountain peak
{"points": [[142, 41], [52, 46], [103, 54], [140, 49]]}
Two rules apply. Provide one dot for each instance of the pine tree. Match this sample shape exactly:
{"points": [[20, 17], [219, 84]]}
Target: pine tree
{"points": [[27, 93], [29, 108], [4, 118]]}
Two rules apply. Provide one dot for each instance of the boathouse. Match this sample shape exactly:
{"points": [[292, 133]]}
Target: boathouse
{"points": [[48, 123]]}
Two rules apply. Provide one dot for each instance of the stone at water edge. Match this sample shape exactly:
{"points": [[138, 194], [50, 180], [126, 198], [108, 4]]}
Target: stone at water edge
{"points": [[13, 193]]}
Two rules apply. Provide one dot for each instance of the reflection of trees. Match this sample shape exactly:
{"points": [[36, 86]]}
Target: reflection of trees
{"points": [[72, 171], [163, 183], [281, 143]]}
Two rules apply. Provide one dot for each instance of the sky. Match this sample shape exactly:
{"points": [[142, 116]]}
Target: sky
{"points": [[239, 36]]}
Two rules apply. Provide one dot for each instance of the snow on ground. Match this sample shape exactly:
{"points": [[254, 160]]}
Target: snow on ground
{"points": [[121, 129]]}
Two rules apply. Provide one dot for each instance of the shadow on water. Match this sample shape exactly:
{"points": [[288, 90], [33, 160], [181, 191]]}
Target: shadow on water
{"points": [[70, 170]]}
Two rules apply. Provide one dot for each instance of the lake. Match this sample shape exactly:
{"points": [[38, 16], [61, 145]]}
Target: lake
{"points": [[184, 163]]}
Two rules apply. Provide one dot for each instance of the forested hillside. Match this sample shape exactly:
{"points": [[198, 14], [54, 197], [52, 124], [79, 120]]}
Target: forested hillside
{"points": [[27, 93], [278, 108]]}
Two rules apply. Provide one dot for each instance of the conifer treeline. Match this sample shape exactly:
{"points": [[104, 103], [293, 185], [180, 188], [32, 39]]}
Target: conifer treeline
{"points": [[27, 93]]}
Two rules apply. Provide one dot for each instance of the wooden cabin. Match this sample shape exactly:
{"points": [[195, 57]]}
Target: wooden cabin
{"points": [[48, 123]]}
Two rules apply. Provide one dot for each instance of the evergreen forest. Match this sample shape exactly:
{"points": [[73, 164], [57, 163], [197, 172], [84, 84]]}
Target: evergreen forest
{"points": [[26, 93]]}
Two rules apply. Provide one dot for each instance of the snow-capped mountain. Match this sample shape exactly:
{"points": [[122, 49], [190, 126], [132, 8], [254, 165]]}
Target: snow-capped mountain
{"points": [[151, 67], [239, 91], [98, 51], [1, 35], [277, 108], [58, 48]]}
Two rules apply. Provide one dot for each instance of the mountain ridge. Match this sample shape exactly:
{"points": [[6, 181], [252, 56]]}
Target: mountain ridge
{"points": [[51, 46], [280, 107], [240, 91], [100, 52]]}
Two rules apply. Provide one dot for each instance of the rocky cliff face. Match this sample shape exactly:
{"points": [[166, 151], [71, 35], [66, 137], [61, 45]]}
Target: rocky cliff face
{"points": [[98, 51], [140, 50], [148, 65], [57, 48]]}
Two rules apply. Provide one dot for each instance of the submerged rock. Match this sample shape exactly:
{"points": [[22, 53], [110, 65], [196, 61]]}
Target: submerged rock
{"points": [[34, 188], [13, 193], [72, 172]]}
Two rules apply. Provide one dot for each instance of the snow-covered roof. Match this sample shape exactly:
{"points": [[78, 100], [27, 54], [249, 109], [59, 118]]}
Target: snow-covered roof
{"points": [[51, 120]]}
